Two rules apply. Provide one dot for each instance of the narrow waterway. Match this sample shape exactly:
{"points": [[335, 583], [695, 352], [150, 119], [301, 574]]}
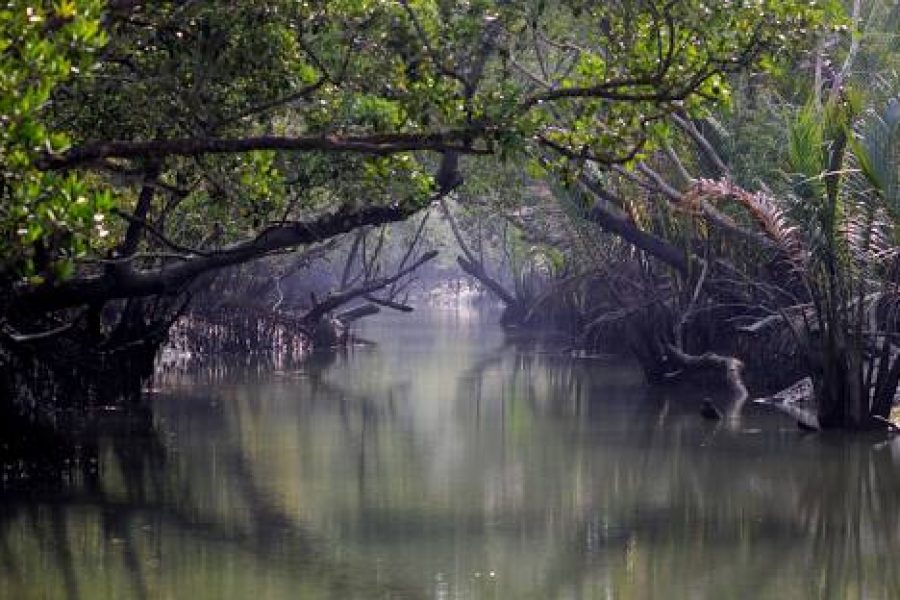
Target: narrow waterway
{"points": [[447, 461]]}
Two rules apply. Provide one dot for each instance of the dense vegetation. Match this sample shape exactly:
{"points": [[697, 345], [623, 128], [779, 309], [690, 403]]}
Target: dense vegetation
{"points": [[715, 182]]}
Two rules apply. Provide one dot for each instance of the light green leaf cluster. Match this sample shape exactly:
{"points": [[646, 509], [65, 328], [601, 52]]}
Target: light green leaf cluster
{"points": [[46, 218]]}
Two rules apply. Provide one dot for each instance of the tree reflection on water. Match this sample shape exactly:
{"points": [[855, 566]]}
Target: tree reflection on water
{"points": [[445, 462]]}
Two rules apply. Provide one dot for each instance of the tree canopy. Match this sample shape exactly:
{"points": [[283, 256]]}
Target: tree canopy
{"points": [[161, 127]]}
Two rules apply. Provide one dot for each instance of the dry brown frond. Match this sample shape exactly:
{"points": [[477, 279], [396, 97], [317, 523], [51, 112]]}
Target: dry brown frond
{"points": [[764, 209]]}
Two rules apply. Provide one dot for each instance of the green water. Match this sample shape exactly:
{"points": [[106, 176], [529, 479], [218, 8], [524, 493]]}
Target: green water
{"points": [[447, 463]]}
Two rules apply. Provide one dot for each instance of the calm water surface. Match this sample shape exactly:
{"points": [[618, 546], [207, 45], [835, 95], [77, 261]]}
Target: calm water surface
{"points": [[448, 463]]}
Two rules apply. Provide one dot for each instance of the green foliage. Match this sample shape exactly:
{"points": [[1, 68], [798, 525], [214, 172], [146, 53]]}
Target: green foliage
{"points": [[877, 151], [572, 80], [45, 218], [672, 55]]}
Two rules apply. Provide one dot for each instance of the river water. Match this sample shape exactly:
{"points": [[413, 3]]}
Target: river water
{"points": [[447, 461]]}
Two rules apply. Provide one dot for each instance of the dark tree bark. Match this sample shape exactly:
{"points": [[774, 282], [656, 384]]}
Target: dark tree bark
{"points": [[129, 283], [451, 141]]}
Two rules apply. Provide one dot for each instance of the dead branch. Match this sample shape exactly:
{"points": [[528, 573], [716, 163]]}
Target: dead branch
{"points": [[335, 300]]}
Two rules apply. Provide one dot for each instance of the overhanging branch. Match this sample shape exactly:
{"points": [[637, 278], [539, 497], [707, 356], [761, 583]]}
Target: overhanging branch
{"points": [[377, 144], [171, 278]]}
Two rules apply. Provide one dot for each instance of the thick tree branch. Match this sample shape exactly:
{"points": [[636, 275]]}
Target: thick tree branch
{"points": [[171, 278], [377, 144], [136, 225], [611, 220], [477, 271], [471, 264]]}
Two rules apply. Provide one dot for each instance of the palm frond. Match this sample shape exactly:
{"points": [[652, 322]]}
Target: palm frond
{"points": [[877, 150], [806, 157], [768, 214]]}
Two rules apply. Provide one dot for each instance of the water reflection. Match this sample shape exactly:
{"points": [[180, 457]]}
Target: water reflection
{"points": [[449, 462]]}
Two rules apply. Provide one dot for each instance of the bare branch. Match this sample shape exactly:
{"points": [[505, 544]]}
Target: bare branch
{"points": [[706, 147], [140, 223], [323, 307]]}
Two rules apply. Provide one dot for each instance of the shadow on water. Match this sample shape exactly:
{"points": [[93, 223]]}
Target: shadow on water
{"points": [[667, 505], [99, 504], [446, 462]]}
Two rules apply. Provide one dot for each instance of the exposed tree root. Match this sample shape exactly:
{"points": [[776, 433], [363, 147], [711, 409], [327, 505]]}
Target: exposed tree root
{"points": [[730, 366]]}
